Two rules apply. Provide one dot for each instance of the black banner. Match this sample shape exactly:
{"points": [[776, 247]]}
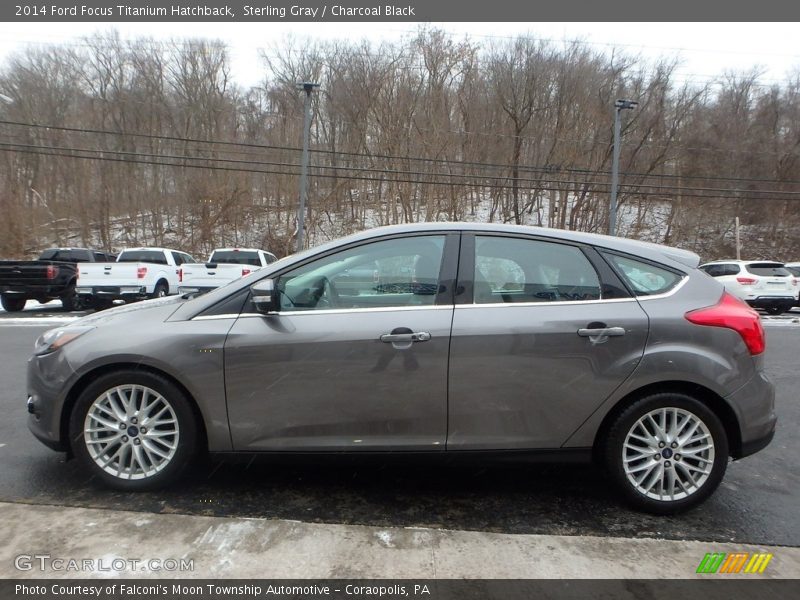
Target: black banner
{"points": [[109, 11], [715, 588]]}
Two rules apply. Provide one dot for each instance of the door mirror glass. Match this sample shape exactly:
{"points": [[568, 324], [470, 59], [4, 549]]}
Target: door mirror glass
{"points": [[265, 297]]}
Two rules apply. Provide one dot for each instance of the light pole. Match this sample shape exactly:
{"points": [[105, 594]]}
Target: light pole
{"points": [[307, 87], [619, 105]]}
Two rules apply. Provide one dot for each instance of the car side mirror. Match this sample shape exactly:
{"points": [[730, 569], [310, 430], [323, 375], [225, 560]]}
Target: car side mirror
{"points": [[265, 296]]}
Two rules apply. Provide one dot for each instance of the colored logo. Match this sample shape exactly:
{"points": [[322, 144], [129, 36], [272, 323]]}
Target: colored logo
{"points": [[735, 562]]}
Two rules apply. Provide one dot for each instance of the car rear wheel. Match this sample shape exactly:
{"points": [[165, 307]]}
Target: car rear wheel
{"points": [[160, 290], [70, 300], [134, 430], [666, 453], [775, 310], [12, 304]]}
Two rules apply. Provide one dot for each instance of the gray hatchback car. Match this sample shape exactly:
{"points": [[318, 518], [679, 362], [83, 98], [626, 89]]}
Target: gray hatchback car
{"points": [[449, 340]]}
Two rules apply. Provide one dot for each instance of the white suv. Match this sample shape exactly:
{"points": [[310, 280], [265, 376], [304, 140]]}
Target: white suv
{"points": [[761, 283], [794, 269]]}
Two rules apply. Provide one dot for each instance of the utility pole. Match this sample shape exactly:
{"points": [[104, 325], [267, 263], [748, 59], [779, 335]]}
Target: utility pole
{"points": [[307, 87], [619, 105], [738, 244]]}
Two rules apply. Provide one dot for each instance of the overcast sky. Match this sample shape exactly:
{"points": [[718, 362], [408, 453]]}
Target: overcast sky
{"points": [[706, 50]]}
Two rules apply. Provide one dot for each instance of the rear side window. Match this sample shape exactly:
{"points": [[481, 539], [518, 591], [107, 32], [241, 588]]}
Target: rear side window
{"points": [[793, 270], [767, 269], [509, 270], [151, 256], [721, 270], [238, 257], [644, 278]]}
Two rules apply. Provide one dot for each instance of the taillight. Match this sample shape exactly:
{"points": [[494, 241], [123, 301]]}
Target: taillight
{"points": [[734, 314], [141, 272], [246, 272], [52, 271], [746, 280], [180, 275], [794, 282]]}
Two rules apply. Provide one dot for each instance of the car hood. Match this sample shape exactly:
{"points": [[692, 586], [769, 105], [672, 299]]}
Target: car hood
{"points": [[112, 314]]}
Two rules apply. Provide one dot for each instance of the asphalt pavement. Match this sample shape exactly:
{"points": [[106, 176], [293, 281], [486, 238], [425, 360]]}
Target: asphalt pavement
{"points": [[756, 503]]}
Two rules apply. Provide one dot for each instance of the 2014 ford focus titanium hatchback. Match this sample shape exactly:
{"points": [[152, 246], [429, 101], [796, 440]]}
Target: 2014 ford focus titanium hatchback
{"points": [[444, 339]]}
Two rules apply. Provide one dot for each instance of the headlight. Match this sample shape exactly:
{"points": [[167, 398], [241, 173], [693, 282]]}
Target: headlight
{"points": [[52, 340]]}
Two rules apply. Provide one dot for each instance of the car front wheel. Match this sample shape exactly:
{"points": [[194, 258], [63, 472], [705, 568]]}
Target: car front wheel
{"points": [[666, 453], [134, 430]]}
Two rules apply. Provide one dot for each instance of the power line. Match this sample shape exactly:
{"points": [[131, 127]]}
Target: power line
{"points": [[683, 192], [546, 169]]}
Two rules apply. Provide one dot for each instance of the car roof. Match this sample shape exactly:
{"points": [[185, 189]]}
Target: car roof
{"points": [[647, 250], [237, 250], [741, 262]]}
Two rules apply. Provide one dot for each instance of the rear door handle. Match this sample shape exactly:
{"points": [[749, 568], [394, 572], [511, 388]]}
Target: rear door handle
{"points": [[390, 338], [601, 331]]}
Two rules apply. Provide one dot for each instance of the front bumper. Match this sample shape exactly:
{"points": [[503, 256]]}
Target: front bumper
{"points": [[48, 378]]}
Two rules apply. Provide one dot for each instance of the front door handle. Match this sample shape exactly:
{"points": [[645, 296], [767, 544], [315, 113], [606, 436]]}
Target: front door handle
{"points": [[601, 331], [390, 338]]}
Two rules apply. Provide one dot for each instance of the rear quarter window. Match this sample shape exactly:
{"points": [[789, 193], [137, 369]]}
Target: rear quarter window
{"points": [[721, 269], [644, 278]]}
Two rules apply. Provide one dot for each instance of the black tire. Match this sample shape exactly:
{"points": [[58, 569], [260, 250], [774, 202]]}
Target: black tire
{"points": [[614, 445], [177, 400], [775, 310], [70, 300], [12, 303], [161, 289], [100, 303]]}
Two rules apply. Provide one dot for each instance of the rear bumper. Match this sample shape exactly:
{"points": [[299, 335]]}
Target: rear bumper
{"points": [[33, 291], [109, 292], [202, 289], [771, 301], [754, 404], [754, 446]]}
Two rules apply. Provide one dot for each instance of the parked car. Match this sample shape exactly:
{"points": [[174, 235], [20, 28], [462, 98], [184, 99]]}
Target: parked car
{"points": [[761, 283], [794, 269], [52, 276], [223, 266], [138, 273], [557, 354]]}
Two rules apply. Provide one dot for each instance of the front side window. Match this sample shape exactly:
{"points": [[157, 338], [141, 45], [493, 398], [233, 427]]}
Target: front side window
{"points": [[644, 278], [391, 273], [509, 270]]}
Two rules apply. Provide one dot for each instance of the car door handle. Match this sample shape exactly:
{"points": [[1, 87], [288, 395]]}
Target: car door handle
{"points": [[421, 336], [604, 331]]}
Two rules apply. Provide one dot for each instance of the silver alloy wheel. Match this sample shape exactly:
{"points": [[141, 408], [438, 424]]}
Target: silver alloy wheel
{"points": [[668, 454], [131, 431]]}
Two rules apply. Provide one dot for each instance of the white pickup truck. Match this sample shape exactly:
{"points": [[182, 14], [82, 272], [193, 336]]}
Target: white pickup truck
{"points": [[223, 266], [137, 274]]}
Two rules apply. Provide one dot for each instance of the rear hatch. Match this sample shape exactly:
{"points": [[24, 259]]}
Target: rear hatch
{"points": [[771, 279]]}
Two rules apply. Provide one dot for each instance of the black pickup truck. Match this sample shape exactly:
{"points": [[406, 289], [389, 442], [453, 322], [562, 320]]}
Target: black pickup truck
{"points": [[52, 276]]}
